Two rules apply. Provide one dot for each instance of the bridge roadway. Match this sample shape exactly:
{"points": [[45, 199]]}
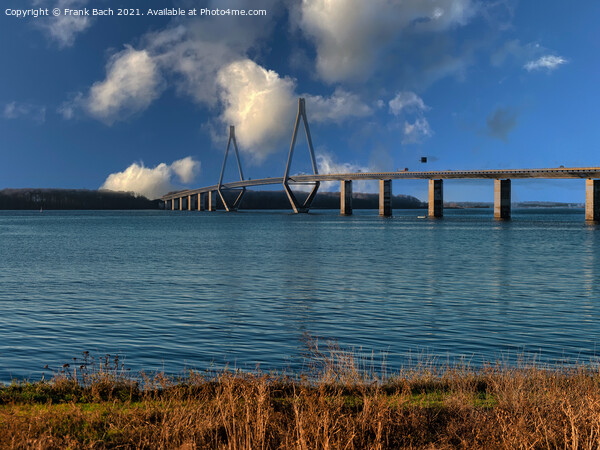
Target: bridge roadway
{"points": [[502, 179], [579, 172]]}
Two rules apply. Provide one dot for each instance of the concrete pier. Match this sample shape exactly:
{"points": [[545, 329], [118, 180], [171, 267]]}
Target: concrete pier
{"points": [[180, 203], [502, 199], [172, 204], [346, 198], [201, 201], [592, 200], [385, 198], [189, 202], [436, 198], [212, 200]]}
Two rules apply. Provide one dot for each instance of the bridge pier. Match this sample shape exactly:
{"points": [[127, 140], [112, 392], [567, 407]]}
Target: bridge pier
{"points": [[346, 198], [180, 203], [502, 199], [189, 202], [385, 198], [201, 202], [436, 198], [212, 200], [592, 200]]}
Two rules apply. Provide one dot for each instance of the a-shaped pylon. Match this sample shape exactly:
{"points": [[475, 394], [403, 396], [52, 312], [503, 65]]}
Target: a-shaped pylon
{"points": [[235, 205], [306, 205]]}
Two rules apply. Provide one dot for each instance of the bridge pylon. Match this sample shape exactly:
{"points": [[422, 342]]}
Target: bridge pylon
{"points": [[235, 205], [294, 202]]}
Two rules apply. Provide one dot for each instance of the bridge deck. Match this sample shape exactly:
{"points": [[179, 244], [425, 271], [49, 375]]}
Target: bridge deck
{"points": [[564, 173]]}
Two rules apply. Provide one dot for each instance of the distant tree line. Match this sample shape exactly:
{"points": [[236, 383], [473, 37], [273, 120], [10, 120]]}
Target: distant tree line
{"points": [[323, 200], [72, 199], [103, 199]]}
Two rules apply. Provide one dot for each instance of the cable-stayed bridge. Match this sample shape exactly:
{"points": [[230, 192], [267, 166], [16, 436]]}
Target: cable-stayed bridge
{"points": [[204, 198]]}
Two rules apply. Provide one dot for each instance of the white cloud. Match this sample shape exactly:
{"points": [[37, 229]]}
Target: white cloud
{"points": [[531, 56], [132, 82], [327, 164], [262, 106], [192, 62], [338, 107], [415, 132], [349, 34], [186, 169], [18, 110], [406, 101], [548, 62], [152, 182], [64, 28], [259, 103], [209, 67]]}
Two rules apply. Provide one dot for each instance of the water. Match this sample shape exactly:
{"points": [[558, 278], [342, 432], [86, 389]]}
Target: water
{"points": [[176, 290]]}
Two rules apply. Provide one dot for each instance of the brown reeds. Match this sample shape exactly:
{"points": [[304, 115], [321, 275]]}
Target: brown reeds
{"points": [[342, 403]]}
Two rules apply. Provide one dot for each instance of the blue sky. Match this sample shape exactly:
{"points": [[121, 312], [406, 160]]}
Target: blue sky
{"points": [[143, 103]]}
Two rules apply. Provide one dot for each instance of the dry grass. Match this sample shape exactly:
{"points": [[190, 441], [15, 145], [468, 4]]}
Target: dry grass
{"points": [[341, 404]]}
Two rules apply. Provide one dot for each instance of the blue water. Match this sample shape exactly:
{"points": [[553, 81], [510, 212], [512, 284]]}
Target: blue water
{"points": [[175, 290]]}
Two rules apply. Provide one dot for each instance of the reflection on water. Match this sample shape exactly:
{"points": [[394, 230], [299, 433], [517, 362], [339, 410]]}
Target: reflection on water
{"points": [[171, 290]]}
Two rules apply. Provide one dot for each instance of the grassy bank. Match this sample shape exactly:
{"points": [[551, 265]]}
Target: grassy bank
{"points": [[338, 406]]}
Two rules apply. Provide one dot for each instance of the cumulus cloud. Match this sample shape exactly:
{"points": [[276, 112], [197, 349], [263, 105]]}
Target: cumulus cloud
{"points": [[407, 104], [186, 169], [18, 110], [349, 34], [501, 122], [207, 63], [261, 105], [547, 62], [191, 62], [132, 82], [152, 182], [327, 164], [63, 29]]}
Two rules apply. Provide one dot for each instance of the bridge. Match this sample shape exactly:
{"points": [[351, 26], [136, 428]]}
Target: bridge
{"points": [[205, 198]]}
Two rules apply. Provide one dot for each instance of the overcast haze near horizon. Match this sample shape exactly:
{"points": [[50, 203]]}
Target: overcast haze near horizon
{"points": [[144, 103]]}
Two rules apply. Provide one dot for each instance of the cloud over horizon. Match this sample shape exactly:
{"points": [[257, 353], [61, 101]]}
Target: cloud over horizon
{"points": [[327, 164], [152, 182]]}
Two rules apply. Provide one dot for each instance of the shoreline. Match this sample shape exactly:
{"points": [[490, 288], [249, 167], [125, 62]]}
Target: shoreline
{"points": [[338, 404]]}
